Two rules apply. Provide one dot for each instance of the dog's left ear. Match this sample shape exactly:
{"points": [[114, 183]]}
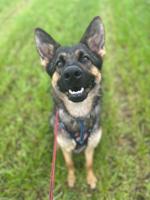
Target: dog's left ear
{"points": [[94, 37], [46, 46]]}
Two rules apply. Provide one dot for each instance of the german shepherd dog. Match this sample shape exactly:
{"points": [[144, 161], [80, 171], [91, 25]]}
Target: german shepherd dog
{"points": [[75, 73]]}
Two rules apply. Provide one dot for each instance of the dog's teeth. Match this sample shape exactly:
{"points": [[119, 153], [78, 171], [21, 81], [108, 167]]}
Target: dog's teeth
{"points": [[76, 92], [71, 92], [82, 89]]}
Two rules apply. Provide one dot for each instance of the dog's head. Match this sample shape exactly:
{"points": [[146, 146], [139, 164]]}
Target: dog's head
{"points": [[75, 70]]}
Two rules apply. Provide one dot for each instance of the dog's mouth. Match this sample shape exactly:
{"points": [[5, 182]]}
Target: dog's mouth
{"points": [[75, 89], [77, 94]]}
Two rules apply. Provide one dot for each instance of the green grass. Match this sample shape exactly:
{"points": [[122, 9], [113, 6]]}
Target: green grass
{"points": [[122, 162]]}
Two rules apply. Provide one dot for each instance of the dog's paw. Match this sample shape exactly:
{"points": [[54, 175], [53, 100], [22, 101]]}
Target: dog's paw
{"points": [[71, 180], [91, 180]]}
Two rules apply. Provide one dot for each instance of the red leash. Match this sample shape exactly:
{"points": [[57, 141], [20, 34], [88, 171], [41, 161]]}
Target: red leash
{"points": [[52, 176]]}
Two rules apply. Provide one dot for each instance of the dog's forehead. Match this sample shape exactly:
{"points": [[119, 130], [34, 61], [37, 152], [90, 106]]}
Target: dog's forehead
{"points": [[72, 53], [70, 50]]}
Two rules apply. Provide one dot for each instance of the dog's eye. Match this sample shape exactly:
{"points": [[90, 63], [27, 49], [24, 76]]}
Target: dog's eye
{"points": [[60, 63], [84, 59]]}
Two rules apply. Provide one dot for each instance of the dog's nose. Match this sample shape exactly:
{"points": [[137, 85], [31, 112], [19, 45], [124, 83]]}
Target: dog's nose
{"points": [[72, 72]]}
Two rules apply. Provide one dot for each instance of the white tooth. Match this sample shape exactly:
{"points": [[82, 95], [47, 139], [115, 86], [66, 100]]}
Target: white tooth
{"points": [[76, 92], [71, 92], [82, 89]]}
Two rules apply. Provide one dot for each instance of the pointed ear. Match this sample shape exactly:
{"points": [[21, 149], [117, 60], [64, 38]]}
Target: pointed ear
{"points": [[46, 46], [94, 38]]}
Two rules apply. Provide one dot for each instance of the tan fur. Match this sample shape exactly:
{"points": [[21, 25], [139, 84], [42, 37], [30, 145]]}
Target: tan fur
{"points": [[55, 78], [44, 62], [63, 55], [80, 109], [66, 144], [102, 52], [94, 139], [77, 52], [91, 178], [70, 166], [89, 152], [96, 73]]}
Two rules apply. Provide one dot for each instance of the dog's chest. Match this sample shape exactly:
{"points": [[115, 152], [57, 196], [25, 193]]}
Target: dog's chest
{"points": [[72, 124], [69, 137], [74, 132]]}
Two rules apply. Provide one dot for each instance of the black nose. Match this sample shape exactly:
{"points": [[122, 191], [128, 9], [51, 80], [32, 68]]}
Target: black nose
{"points": [[72, 73]]}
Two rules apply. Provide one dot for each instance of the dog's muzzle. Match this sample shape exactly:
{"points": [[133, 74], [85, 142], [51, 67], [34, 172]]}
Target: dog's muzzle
{"points": [[74, 82]]}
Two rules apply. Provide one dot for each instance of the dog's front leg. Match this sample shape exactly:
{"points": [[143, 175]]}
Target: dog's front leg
{"points": [[91, 178], [67, 145], [70, 166], [89, 153]]}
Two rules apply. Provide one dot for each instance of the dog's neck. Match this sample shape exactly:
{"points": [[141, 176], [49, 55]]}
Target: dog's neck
{"points": [[87, 110], [91, 118], [80, 109]]}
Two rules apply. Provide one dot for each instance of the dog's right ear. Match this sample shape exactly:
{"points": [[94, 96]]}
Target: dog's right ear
{"points": [[46, 46]]}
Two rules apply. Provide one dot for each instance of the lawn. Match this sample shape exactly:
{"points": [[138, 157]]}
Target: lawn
{"points": [[122, 161]]}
